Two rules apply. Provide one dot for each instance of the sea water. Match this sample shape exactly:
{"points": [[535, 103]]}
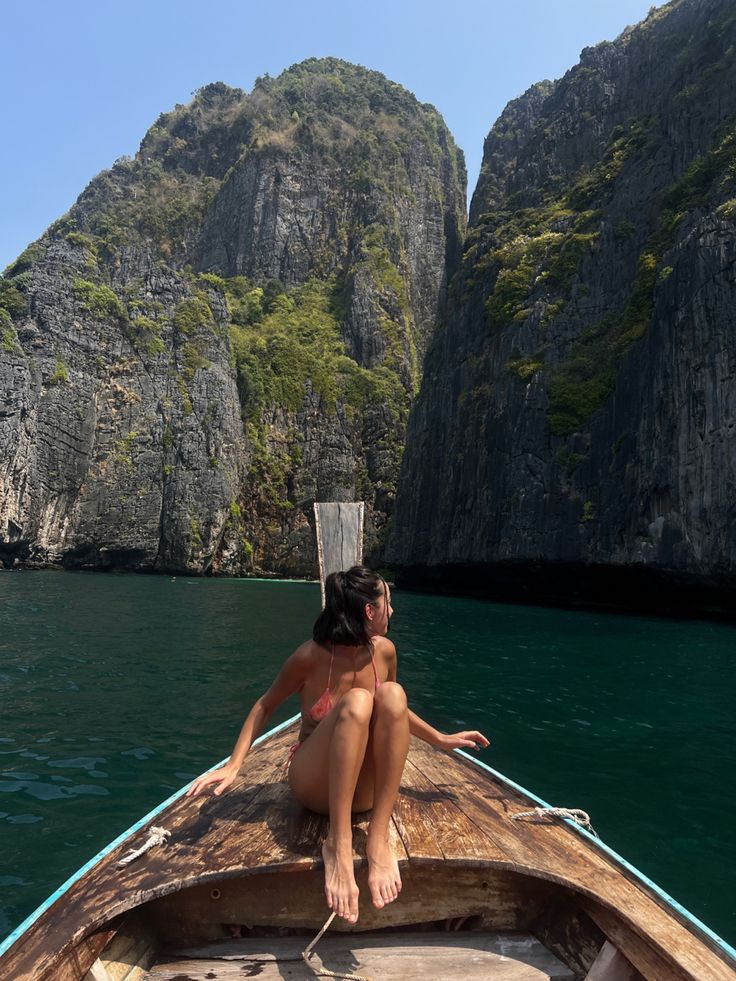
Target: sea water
{"points": [[116, 690]]}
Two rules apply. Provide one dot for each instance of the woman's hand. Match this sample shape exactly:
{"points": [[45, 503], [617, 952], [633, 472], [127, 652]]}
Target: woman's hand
{"points": [[223, 776], [472, 739]]}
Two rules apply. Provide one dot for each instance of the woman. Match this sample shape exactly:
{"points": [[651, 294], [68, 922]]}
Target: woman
{"points": [[354, 736]]}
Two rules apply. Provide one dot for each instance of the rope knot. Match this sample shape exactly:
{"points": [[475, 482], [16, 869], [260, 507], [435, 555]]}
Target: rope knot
{"points": [[156, 836], [580, 818]]}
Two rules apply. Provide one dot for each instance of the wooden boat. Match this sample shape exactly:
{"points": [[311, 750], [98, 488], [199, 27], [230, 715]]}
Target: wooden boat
{"points": [[236, 891]]}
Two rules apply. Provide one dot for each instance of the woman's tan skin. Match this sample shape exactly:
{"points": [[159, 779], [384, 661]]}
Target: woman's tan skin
{"points": [[353, 759]]}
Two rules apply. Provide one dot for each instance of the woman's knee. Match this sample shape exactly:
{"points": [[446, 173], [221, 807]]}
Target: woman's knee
{"points": [[356, 705], [390, 699]]}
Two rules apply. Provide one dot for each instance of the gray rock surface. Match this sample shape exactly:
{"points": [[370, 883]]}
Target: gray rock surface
{"points": [[130, 434], [514, 468]]}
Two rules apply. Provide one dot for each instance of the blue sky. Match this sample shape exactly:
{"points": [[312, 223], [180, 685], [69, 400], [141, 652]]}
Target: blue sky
{"points": [[82, 81]]}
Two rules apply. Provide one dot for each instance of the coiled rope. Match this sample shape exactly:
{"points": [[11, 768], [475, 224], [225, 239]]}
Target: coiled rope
{"points": [[574, 813], [156, 836]]}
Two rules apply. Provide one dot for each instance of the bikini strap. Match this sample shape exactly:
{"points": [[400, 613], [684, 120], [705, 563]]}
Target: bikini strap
{"points": [[373, 662], [329, 675]]}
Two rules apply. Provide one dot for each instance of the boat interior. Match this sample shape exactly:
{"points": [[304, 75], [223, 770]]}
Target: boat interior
{"points": [[484, 923], [237, 891]]}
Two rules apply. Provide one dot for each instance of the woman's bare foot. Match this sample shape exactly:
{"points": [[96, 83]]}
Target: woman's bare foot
{"points": [[384, 880], [340, 888]]}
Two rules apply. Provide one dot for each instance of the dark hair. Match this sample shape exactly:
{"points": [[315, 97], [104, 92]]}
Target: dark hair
{"points": [[343, 619]]}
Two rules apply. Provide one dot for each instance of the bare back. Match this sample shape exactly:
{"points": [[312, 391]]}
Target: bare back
{"points": [[335, 673]]}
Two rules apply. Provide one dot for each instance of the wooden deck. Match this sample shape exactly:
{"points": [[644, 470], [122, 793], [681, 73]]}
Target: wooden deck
{"points": [[396, 957], [452, 828]]}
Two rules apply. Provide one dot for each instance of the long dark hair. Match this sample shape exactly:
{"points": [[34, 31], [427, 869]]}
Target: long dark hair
{"points": [[343, 619]]}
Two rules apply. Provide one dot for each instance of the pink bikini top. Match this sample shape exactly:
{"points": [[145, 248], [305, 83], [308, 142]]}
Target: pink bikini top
{"points": [[324, 703]]}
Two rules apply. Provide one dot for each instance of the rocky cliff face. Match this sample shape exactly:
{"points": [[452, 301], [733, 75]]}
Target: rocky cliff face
{"points": [[578, 407], [227, 328]]}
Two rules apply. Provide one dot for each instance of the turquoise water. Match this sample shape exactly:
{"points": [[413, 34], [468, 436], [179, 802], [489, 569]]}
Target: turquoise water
{"points": [[116, 690]]}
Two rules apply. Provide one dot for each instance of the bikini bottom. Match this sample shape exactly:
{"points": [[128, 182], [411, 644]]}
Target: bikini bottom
{"points": [[292, 750]]}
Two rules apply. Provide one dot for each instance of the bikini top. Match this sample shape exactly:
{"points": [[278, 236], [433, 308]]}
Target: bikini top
{"points": [[324, 703]]}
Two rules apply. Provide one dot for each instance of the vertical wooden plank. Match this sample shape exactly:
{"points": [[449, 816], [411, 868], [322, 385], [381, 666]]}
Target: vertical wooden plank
{"points": [[610, 965], [339, 530], [98, 972]]}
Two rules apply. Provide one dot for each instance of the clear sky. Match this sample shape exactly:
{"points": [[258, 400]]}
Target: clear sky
{"points": [[83, 80]]}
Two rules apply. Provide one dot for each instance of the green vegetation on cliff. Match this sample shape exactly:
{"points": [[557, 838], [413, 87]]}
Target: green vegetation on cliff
{"points": [[532, 257], [346, 115], [342, 112], [304, 230], [289, 344], [580, 384], [535, 246], [97, 299], [535, 253]]}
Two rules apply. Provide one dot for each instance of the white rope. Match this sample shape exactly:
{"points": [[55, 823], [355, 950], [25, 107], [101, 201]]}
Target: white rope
{"points": [[156, 836], [574, 813], [322, 972]]}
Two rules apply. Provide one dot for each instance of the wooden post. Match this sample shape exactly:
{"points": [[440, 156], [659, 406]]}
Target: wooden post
{"points": [[339, 529], [610, 965]]}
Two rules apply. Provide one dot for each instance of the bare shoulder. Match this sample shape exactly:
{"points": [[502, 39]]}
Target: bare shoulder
{"points": [[305, 656], [385, 649], [296, 667]]}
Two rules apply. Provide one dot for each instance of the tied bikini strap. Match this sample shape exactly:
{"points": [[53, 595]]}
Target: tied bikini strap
{"points": [[373, 662]]}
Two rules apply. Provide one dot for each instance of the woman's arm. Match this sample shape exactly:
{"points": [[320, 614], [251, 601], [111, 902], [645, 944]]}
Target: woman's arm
{"points": [[418, 727], [289, 680], [471, 739], [468, 739]]}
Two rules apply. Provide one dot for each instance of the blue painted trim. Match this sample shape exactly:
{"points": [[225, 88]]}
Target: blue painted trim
{"points": [[21, 929], [725, 947]]}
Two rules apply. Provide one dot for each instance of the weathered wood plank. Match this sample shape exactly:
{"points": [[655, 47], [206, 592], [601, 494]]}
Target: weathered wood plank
{"points": [[98, 972], [522, 845], [432, 814], [124, 951], [557, 852], [501, 899], [339, 527], [406, 956], [652, 961], [132, 952], [224, 825], [567, 930], [413, 822], [611, 965], [71, 963], [450, 814]]}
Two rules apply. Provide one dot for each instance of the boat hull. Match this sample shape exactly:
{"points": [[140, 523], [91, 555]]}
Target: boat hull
{"points": [[247, 864]]}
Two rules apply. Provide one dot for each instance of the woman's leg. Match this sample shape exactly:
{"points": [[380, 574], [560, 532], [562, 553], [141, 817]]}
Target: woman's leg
{"points": [[354, 761], [323, 776], [388, 745]]}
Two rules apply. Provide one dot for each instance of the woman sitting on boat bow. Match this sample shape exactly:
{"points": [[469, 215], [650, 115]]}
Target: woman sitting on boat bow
{"points": [[354, 736]]}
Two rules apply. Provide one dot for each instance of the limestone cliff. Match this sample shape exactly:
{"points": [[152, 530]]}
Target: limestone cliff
{"points": [[578, 407], [228, 327]]}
